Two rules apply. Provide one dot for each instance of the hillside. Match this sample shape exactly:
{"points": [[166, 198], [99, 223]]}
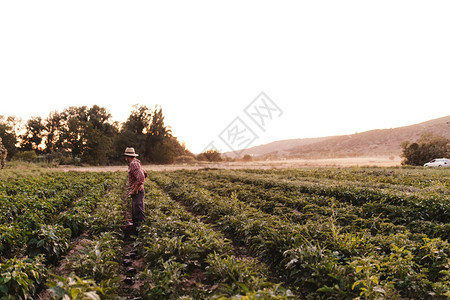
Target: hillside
{"points": [[369, 143], [278, 147]]}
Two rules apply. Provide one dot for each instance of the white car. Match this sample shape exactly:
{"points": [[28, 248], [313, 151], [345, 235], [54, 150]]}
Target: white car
{"points": [[438, 162]]}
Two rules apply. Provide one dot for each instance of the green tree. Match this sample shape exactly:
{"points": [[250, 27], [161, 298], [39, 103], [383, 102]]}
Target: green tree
{"points": [[34, 134], [425, 149], [146, 131], [159, 149], [162, 152], [99, 133], [158, 130], [72, 134], [53, 129], [88, 133], [8, 132], [162, 147], [139, 120], [134, 132]]}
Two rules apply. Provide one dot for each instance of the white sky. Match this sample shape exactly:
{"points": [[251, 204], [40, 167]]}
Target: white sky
{"points": [[332, 67]]}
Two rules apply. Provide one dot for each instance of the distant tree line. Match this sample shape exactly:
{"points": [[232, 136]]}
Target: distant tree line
{"points": [[89, 135]]}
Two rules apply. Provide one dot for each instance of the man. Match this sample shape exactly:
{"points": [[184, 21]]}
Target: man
{"points": [[136, 179]]}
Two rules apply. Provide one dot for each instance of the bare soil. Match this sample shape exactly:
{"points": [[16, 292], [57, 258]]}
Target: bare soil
{"points": [[77, 247], [378, 161]]}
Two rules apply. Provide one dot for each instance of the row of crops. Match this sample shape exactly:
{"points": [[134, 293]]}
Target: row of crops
{"points": [[61, 238], [41, 215], [256, 234], [331, 233]]}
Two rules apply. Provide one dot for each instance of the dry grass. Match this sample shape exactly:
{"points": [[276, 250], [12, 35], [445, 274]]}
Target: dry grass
{"points": [[379, 161]]}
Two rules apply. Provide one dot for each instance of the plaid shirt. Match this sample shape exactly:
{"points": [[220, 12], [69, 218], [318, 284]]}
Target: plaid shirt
{"points": [[136, 176]]}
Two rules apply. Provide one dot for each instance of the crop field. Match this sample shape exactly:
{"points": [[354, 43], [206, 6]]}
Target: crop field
{"points": [[325, 233]]}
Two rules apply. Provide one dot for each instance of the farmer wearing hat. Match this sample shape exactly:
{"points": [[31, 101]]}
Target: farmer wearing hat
{"points": [[136, 179]]}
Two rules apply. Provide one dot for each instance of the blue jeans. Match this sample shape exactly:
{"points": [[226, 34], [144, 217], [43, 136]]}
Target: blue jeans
{"points": [[137, 208]]}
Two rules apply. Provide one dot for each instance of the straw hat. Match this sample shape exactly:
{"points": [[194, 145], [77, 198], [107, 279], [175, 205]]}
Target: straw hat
{"points": [[130, 152]]}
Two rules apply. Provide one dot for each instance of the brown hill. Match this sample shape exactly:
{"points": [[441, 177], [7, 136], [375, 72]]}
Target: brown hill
{"points": [[369, 143], [276, 148]]}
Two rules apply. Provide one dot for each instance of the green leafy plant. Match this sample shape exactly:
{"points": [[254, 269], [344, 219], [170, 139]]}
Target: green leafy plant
{"points": [[404, 273], [50, 240], [76, 288], [98, 259], [21, 277], [236, 275], [10, 238], [367, 271], [163, 282]]}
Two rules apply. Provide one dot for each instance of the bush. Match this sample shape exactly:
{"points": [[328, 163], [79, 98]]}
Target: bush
{"points": [[185, 159], [28, 156], [60, 157], [210, 155], [247, 158]]}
